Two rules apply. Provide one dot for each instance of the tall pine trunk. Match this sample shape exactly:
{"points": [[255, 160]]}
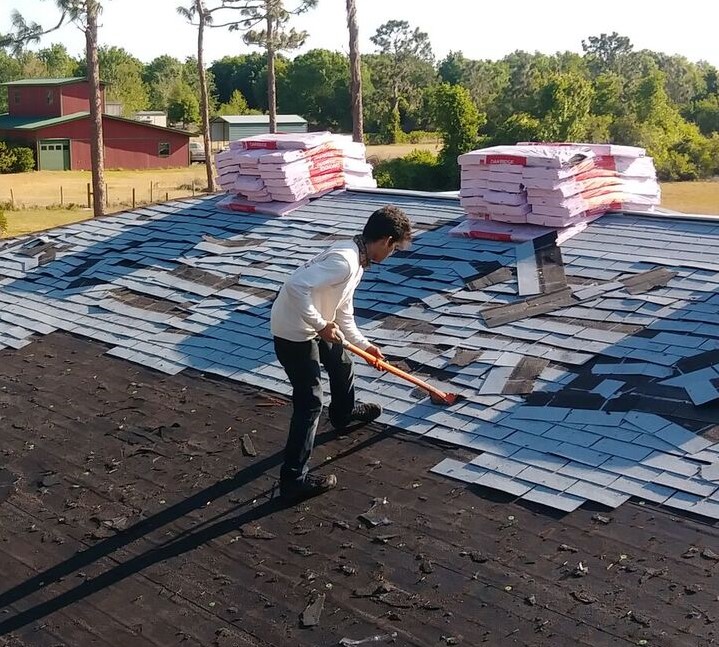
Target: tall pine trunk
{"points": [[97, 146], [204, 102], [271, 89], [355, 72]]}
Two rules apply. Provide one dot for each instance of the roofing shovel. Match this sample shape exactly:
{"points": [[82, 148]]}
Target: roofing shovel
{"points": [[437, 396]]}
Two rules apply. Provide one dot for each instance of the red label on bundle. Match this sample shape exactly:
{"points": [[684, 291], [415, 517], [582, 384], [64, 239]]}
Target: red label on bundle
{"points": [[259, 145], [606, 162], [506, 159], [246, 208]]}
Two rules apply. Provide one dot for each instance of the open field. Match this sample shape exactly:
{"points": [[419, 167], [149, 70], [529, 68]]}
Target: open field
{"points": [[57, 188], [391, 151], [691, 197]]}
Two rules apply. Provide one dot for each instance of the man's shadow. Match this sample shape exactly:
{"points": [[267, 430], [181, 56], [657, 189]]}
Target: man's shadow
{"points": [[185, 542]]}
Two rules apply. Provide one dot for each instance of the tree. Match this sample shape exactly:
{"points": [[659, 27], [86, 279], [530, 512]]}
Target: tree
{"points": [[275, 37], [564, 107], [607, 52], [454, 69], [159, 77], [355, 72], [184, 107], [316, 86], [123, 74], [237, 105], [246, 73], [706, 114], [58, 63], [403, 55], [198, 10], [458, 121]]}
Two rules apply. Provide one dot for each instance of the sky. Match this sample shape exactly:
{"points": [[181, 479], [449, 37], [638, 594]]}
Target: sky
{"points": [[486, 29]]}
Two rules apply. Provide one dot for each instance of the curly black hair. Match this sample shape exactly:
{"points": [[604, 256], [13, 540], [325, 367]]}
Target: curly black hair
{"points": [[388, 221]]}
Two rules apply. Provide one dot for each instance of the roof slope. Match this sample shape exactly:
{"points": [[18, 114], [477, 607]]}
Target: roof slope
{"points": [[138, 519], [586, 368]]}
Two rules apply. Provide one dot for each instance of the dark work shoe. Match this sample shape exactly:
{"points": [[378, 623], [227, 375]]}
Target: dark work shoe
{"points": [[366, 412], [310, 487], [363, 412]]}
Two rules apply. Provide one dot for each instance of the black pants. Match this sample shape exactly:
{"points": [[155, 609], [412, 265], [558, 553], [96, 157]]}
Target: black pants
{"points": [[301, 361]]}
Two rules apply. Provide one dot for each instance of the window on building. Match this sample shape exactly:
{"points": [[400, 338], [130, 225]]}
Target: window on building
{"points": [[163, 149], [50, 96], [17, 96]]}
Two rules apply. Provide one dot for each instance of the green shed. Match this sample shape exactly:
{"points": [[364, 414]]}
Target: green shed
{"points": [[228, 128]]}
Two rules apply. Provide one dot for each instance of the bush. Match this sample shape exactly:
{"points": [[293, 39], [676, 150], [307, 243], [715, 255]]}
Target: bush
{"points": [[3, 223], [16, 159], [419, 171]]}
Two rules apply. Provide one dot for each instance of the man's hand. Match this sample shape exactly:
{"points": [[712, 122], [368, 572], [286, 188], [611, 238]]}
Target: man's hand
{"points": [[331, 333], [375, 352]]}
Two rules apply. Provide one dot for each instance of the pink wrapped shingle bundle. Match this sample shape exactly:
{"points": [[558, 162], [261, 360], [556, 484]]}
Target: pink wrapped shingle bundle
{"points": [[291, 168], [492, 179], [555, 185]]}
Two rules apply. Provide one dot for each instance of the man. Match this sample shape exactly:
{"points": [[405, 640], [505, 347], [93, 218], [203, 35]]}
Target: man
{"points": [[311, 315]]}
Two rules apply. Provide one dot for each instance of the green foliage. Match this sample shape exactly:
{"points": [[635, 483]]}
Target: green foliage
{"points": [[400, 72], [184, 106], [391, 131], [518, 128], [245, 73], [706, 114], [235, 106], [458, 122], [16, 159], [419, 171], [3, 223], [58, 63], [123, 72], [563, 106], [316, 86], [160, 76]]}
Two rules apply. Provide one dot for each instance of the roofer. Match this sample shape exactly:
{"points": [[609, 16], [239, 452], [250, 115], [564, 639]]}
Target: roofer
{"points": [[311, 315]]}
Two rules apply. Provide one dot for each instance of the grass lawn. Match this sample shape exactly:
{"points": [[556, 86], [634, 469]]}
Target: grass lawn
{"points": [[56, 188], [691, 197], [391, 151]]}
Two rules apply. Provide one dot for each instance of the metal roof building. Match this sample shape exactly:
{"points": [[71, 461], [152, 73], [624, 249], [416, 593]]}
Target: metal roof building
{"points": [[227, 128]]}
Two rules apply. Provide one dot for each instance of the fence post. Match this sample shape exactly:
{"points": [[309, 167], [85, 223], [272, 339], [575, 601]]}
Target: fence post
{"points": [[133, 197], [193, 187], [107, 196], [89, 196], [62, 198], [12, 198], [150, 190], [167, 196]]}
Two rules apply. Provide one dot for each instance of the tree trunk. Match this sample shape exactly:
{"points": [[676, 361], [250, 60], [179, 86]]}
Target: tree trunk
{"points": [[204, 102], [355, 72], [97, 145], [271, 90]]}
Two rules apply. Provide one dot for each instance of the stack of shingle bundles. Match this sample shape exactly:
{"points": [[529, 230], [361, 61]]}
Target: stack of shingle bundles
{"points": [[493, 179], [227, 169], [293, 168], [620, 178]]}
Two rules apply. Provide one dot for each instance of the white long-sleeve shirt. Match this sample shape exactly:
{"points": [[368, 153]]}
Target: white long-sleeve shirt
{"points": [[319, 292]]}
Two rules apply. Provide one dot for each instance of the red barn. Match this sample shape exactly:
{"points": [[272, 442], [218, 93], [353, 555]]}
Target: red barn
{"points": [[52, 116]]}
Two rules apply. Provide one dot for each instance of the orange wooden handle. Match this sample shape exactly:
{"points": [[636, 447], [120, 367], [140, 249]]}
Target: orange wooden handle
{"points": [[386, 366]]}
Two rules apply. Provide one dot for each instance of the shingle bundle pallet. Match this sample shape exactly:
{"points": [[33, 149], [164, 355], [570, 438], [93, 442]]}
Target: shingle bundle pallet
{"points": [[556, 185], [277, 173]]}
